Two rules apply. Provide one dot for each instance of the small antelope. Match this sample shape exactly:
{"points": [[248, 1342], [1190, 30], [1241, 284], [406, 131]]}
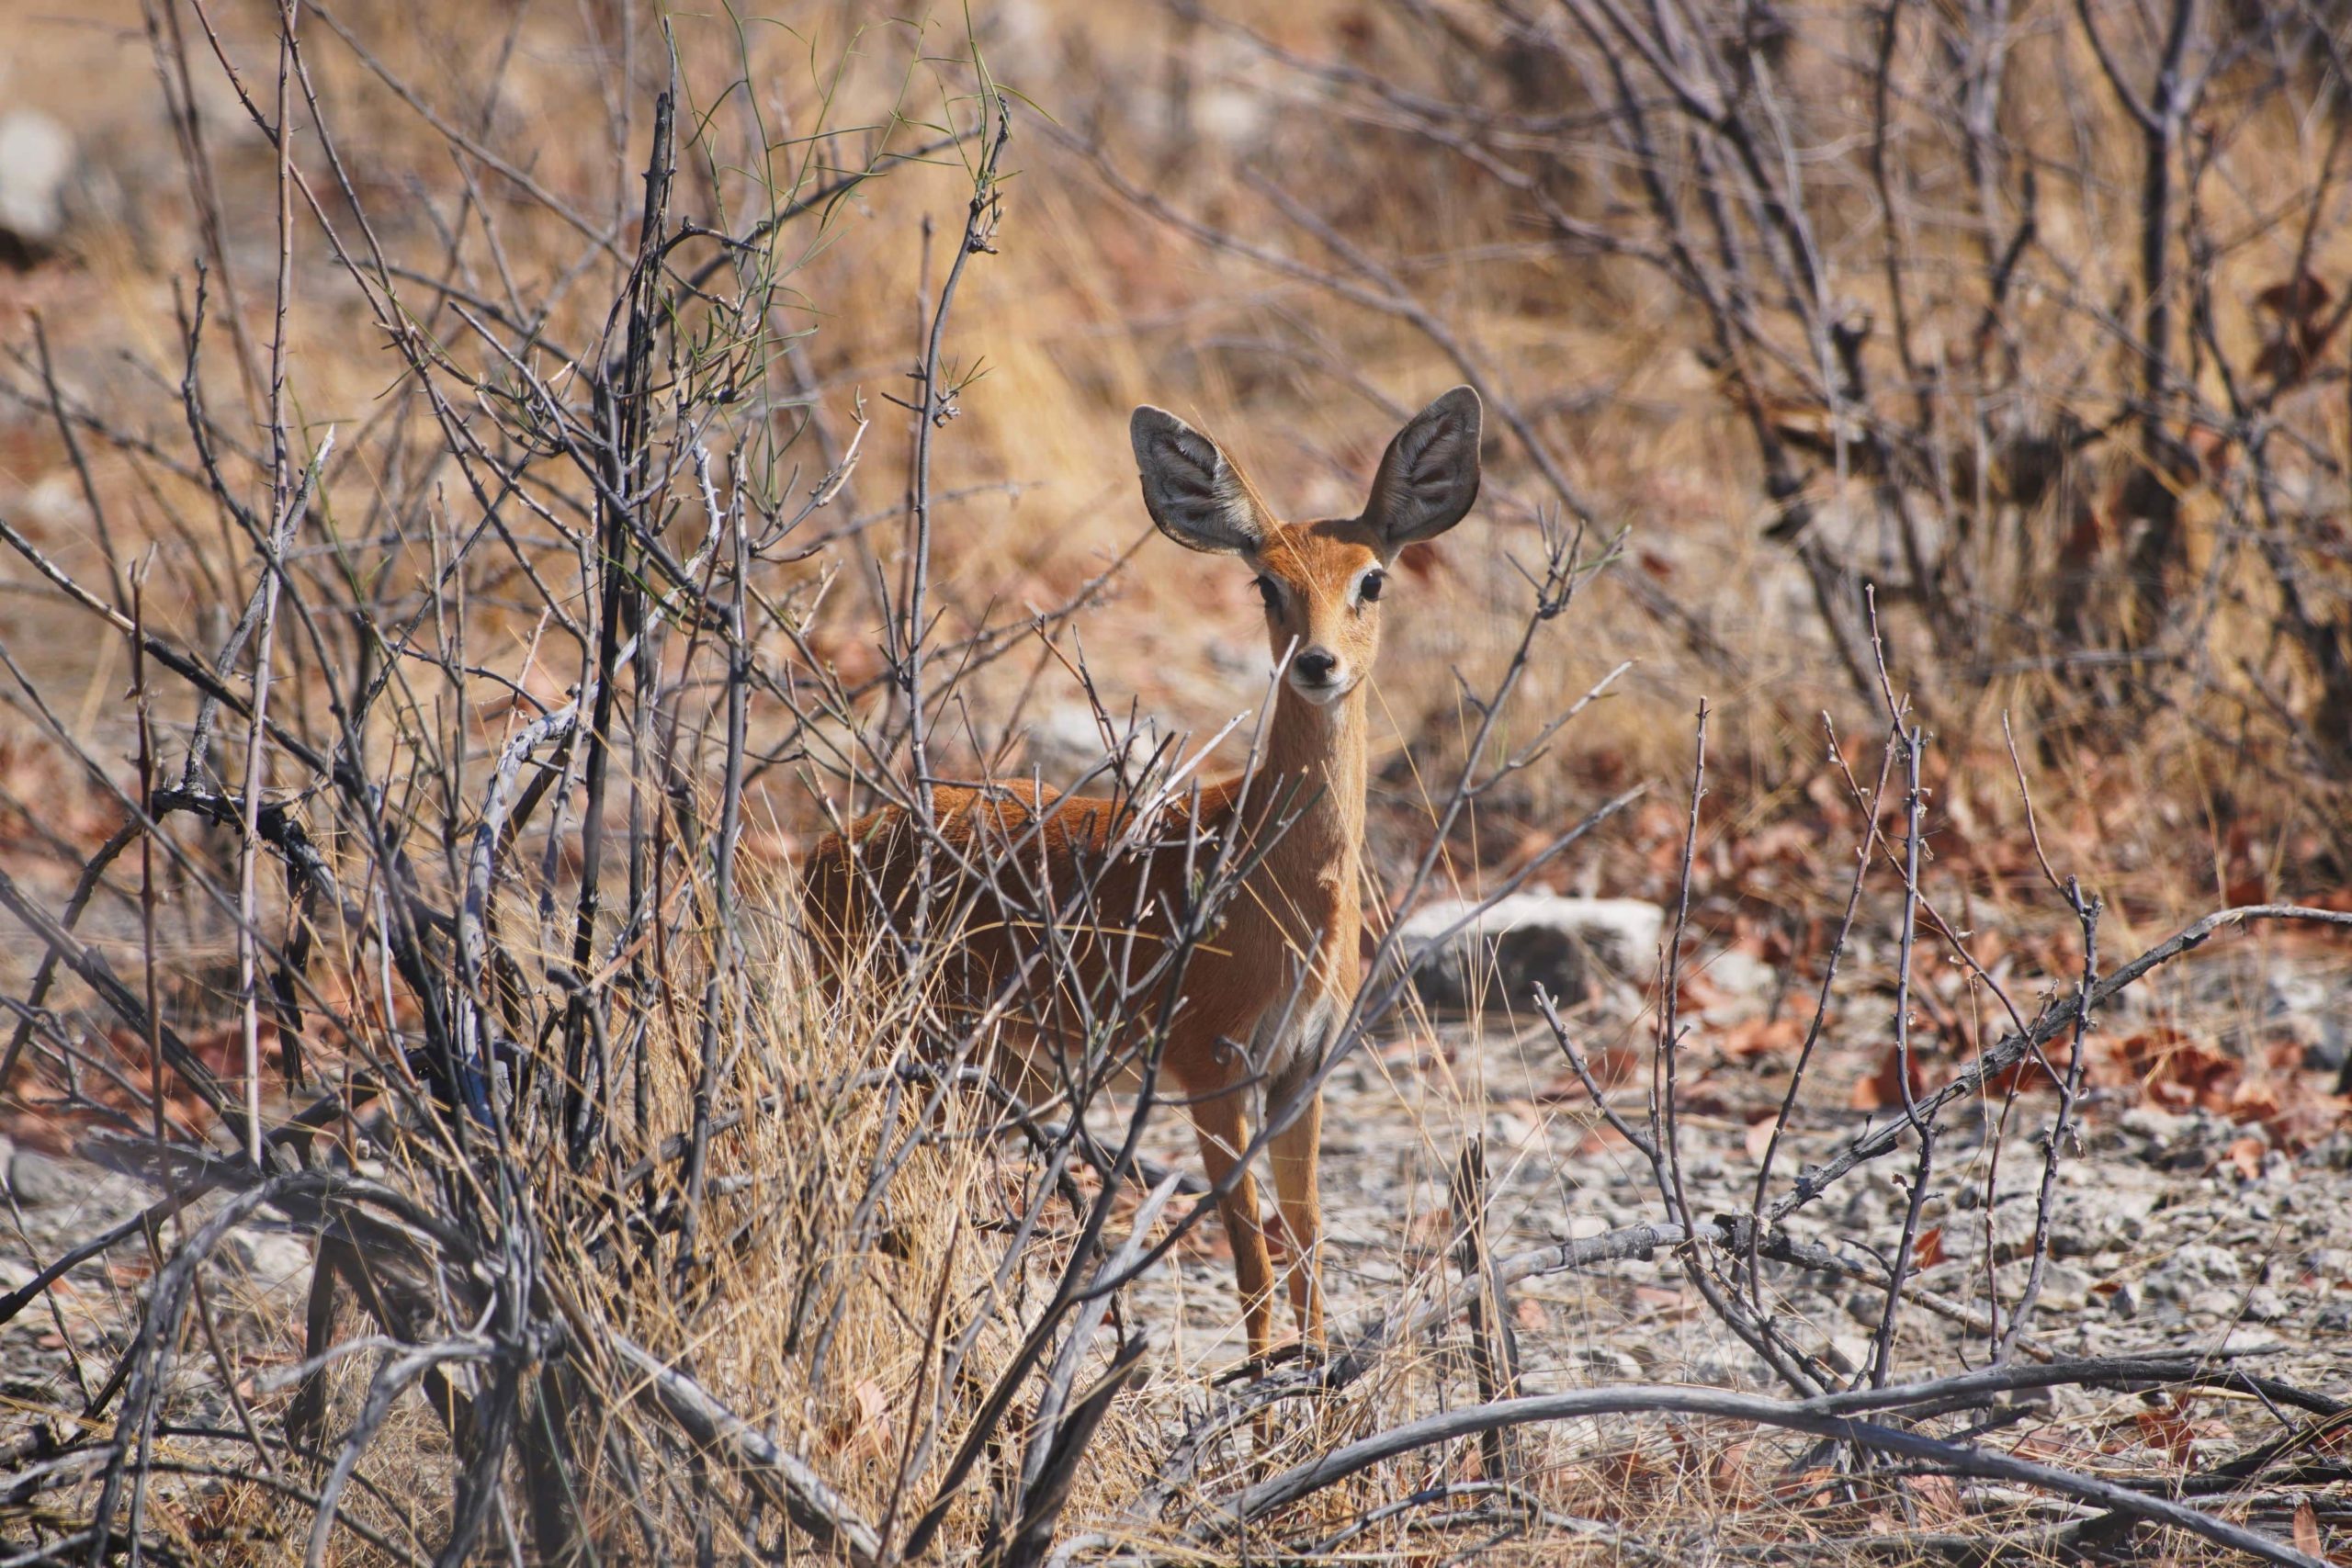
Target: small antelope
{"points": [[1262, 995]]}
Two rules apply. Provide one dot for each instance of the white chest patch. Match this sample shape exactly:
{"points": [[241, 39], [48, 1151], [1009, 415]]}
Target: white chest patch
{"points": [[1291, 1037]]}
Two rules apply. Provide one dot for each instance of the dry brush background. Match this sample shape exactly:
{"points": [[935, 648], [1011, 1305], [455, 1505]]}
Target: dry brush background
{"points": [[459, 552]]}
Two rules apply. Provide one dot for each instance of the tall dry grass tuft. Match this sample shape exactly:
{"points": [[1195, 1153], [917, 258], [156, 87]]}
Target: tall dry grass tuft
{"points": [[606, 1204]]}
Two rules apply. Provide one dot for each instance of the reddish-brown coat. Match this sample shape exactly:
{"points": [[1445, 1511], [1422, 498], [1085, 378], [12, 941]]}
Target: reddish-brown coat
{"points": [[1261, 992]]}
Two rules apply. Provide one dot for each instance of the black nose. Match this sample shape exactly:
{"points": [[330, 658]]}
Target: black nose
{"points": [[1314, 666]]}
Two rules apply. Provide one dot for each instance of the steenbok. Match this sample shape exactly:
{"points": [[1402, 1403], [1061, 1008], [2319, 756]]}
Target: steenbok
{"points": [[1046, 899]]}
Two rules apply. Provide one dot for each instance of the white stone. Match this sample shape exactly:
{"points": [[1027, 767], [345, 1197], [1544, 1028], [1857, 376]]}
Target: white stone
{"points": [[276, 1263], [1500, 954], [37, 1181], [36, 165], [1068, 748], [1606, 1363], [2266, 1303], [1739, 973], [1849, 1353], [2065, 1287]]}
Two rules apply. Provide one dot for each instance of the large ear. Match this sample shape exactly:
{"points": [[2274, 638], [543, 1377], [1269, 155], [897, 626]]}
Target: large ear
{"points": [[1429, 475], [1193, 492]]}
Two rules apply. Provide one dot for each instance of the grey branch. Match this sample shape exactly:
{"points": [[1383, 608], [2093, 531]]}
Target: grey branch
{"points": [[811, 1505]]}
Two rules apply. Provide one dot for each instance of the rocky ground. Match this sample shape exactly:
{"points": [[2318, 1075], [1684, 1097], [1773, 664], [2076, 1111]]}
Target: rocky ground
{"points": [[61, 1347], [2174, 1229], [2157, 1235], [2192, 1230]]}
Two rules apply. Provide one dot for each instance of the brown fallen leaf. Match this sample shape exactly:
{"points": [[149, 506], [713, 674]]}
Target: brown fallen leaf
{"points": [[1930, 1249], [1883, 1090], [1756, 1037], [1735, 1475], [2307, 1541], [2255, 1100], [2246, 1154], [864, 1426], [1937, 1497]]}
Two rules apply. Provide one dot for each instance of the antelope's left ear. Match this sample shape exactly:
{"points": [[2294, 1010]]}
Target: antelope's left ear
{"points": [[1429, 477]]}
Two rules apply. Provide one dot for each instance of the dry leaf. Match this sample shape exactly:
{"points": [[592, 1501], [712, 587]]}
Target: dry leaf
{"points": [[1937, 1497], [1929, 1250], [1883, 1090], [2255, 1100], [2307, 1541], [1733, 1476], [2247, 1154], [2299, 295], [1810, 1489], [1761, 1037], [866, 1425], [2172, 1429]]}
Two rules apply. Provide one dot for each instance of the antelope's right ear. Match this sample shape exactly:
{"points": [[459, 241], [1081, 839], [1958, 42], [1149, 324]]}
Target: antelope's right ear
{"points": [[1191, 488]]}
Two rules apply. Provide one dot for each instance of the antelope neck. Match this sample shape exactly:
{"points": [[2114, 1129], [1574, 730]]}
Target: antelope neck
{"points": [[1313, 762], [1310, 780]]}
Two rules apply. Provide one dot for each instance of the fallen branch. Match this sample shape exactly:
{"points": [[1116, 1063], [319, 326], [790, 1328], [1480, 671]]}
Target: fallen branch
{"points": [[806, 1501], [1822, 1418]]}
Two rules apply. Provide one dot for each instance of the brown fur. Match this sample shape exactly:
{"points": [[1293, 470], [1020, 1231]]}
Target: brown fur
{"points": [[1009, 859]]}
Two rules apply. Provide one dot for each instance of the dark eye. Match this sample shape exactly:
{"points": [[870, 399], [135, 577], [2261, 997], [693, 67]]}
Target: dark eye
{"points": [[1374, 582], [1270, 593]]}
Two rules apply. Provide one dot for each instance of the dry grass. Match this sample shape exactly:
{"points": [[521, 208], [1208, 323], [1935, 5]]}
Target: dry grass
{"points": [[851, 1233], [1090, 305]]}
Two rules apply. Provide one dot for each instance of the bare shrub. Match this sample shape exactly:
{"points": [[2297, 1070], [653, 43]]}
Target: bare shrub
{"points": [[431, 896]]}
